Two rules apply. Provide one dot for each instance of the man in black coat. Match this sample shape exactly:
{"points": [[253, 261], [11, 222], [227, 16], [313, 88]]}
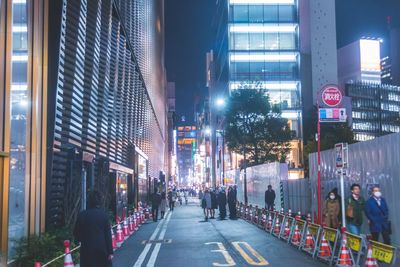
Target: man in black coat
{"points": [[222, 204], [155, 203], [232, 202], [269, 198], [93, 231]]}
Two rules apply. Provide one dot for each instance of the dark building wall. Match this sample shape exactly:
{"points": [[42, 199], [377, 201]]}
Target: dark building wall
{"points": [[102, 104]]}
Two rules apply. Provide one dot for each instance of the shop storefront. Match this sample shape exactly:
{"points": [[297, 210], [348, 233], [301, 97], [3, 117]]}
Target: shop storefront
{"points": [[143, 181], [120, 177]]}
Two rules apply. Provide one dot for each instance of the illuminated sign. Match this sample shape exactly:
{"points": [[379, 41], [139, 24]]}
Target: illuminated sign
{"points": [[370, 55]]}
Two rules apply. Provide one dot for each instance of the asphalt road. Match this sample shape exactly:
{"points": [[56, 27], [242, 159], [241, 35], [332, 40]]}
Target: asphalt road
{"points": [[184, 239]]}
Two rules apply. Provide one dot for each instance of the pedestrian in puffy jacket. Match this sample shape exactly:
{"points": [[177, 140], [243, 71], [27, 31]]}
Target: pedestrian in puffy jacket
{"points": [[93, 231], [332, 210], [377, 212]]}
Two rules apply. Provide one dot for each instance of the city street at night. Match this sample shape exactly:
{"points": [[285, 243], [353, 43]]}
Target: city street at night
{"points": [[184, 239]]}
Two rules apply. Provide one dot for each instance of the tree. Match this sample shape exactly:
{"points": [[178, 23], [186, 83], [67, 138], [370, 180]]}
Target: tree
{"points": [[331, 134], [255, 127]]}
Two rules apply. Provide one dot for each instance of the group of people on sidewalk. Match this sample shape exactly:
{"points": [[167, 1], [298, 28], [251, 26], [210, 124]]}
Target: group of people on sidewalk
{"points": [[160, 201], [375, 209], [218, 198]]}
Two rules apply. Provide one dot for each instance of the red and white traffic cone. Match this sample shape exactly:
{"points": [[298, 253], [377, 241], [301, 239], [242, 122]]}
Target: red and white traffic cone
{"points": [[269, 223], [114, 241], [282, 211], [126, 229], [277, 228], [296, 236], [289, 213], [287, 230], [37, 264], [309, 218], [131, 224], [136, 221], [371, 261], [344, 259], [309, 241], [298, 215], [120, 235], [324, 249], [67, 258]]}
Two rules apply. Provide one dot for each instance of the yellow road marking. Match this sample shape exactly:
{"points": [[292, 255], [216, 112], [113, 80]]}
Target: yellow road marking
{"points": [[224, 252], [261, 260]]}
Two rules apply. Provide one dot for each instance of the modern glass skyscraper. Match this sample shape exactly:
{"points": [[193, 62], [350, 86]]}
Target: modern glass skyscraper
{"points": [[264, 54]]}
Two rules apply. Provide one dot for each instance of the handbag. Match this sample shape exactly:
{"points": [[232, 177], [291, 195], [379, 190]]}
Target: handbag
{"points": [[350, 210]]}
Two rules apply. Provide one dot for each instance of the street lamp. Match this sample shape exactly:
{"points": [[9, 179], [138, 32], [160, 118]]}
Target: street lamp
{"points": [[207, 131], [220, 102]]}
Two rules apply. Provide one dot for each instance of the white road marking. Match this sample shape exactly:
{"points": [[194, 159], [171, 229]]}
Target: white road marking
{"points": [[156, 249], [146, 249]]}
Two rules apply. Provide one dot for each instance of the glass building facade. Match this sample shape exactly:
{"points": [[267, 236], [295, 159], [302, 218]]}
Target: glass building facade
{"points": [[264, 52], [375, 109]]}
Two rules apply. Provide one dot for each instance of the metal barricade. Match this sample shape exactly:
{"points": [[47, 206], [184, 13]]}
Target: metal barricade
{"points": [[331, 237], [277, 228], [356, 245], [385, 254], [311, 238], [300, 225], [270, 220], [261, 218], [289, 224]]}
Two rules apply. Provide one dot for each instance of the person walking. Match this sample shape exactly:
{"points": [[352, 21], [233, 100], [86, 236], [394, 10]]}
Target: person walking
{"points": [[221, 199], [214, 203], [155, 203], [206, 204], [377, 212], [270, 198], [354, 211], [92, 230], [332, 210], [163, 204], [171, 200], [232, 202]]}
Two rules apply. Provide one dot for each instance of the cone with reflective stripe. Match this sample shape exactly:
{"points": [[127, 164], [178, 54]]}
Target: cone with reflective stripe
{"points": [[324, 249], [309, 241], [290, 213], [282, 211], [135, 221], [277, 228], [67, 258], [296, 236], [287, 230], [298, 216], [114, 241], [371, 261], [120, 235], [126, 229], [344, 259], [269, 223], [131, 225]]}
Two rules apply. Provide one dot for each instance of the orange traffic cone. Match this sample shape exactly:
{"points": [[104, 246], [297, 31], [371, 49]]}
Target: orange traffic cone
{"points": [[269, 223], [277, 228], [282, 211], [296, 236], [287, 230], [114, 241], [298, 216], [289, 213], [371, 261], [131, 224], [135, 221], [344, 259], [67, 258], [126, 229], [308, 217], [309, 241], [120, 235], [324, 249]]}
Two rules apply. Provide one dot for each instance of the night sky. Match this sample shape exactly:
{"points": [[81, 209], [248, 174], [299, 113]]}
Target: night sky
{"points": [[189, 35]]}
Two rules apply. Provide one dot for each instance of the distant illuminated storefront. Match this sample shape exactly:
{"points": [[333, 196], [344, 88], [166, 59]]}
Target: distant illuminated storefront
{"points": [[186, 149], [142, 174]]}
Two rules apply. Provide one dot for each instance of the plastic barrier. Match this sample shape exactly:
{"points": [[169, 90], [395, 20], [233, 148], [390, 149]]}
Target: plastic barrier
{"points": [[310, 242], [331, 237], [384, 253]]}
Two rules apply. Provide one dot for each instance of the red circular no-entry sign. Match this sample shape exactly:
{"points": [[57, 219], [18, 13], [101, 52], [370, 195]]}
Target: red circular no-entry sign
{"points": [[331, 95]]}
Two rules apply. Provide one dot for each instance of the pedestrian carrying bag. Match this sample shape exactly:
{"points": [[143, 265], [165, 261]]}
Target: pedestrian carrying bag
{"points": [[349, 210]]}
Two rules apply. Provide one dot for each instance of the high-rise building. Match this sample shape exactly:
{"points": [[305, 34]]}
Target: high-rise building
{"points": [[258, 47], [386, 71], [82, 87], [395, 55], [186, 150]]}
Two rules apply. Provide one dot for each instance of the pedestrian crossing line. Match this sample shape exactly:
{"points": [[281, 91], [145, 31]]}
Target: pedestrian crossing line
{"points": [[156, 249], [146, 249]]}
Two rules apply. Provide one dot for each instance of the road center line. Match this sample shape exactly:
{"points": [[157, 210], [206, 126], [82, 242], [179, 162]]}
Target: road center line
{"points": [[146, 249], [156, 249]]}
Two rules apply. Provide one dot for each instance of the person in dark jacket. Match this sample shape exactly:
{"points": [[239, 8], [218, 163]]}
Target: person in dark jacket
{"points": [[222, 203], [155, 203], [214, 203], [269, 198], [377, 212], [93, 231], [232, 203]]}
